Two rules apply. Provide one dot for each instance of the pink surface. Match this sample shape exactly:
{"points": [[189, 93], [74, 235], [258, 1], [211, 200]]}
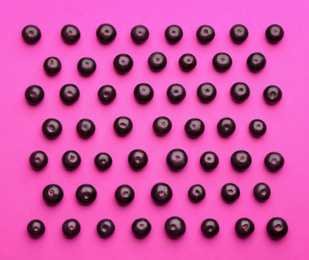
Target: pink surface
{"points": [[287, 122]]}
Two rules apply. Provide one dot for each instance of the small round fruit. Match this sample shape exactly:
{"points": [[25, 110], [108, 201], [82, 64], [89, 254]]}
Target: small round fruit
{"points": [[85, 128], [222, 61], [256, 62], [71, 160], [157, 61], [139, 34], [71, 228], [176, 93], [52, 194], [69, 94], [105, 228], [173, 34], [277, 228], [272, 94], [124, 194], [34, 94], [274, 33], [261, 191], [38, 160], [51, 128], [123, 63], [141, 227], [187, 62], [176, 159], [161, 193], [52, 66], [241, 160], [240, 92], [31, 34], [86, 194], [274, 161], [36, 228], [123, 125], [103, 161], [244, 227], [143, 93], [205, 34], [175, 227], [230, 192], [226, 127], [210, 227], [86, 66], [196, 193], [206, 92], [239, 33], [106, 33], [257, 128], [209, 161], [138, 159], [107, 94], [162, 125], [70, 34], [194, 127]]}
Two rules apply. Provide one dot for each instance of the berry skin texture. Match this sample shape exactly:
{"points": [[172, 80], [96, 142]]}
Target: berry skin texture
{"points": [[277, 228], [210, 227], [141, 227], [274, 33], [105, 228], [103, 161], [256, 62], [143, 93], [209, 161], [34, 94], [161, 193], [196, 193], [272, 94], [107, 94], [36, 228], [257, 128], [222, 62], [173, 34], [261, 191], [206, 92], [52, 66], [139, 34], [226, 127], [106, 33], [240, 92], [205, 34], [86, 194], [138, 159], [31, 34], [123, 125], [69, 94], [175, 227], [123, 63], [38, 160], [124, 194], [71, 228], [241, 160], [86, 66], [70, 34], [51, 128], [85, 128], [194, 127], [176, 159], [230, 192], [157, 61], [71, 160], [162, 125], [52, 194], [187, 62], [274, 161], [239, 33], [176, 93], [244, 227]]}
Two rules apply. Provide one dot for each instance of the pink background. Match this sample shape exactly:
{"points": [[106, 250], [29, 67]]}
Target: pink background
{"points": [[287, 122]]}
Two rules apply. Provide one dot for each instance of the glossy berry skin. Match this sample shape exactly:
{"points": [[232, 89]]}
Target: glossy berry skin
{"points": [[71, 228], [230, 192], [240, 92], [106, 33], [209, 161], [187, 62], [161, 193], [138, 159], [274, 161], [176, 93], [194, 127], [69, 94], [162, 125], [38, 160], [257, 128], [272, 94], [86, 66], [86, 194], [85, 128], [210, 227], [261, 191], [256, 62], [139, 34], [175, 227], [205, 34], [222, 62], [206, 92], [51, 128], [124, 194], [244, 227], [196, 193], [141, 227], [277, 228], [239, 33], [31, 34], [103, 161], [241, 160], [107, 94], [226, 127], [173, 34], [52, 66], [157, 61], [34, 94], [123, 63], [123, 125], [105, 228], [143, 93], [274, 33], [36, 228], [176, 159], [70, 34], [71, 160], [52, 194]]}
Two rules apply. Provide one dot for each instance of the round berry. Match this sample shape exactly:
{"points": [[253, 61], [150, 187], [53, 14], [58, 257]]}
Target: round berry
{"points": [[86, 66], [209, 161], [222, 61], [257, 128], [196, 193], [175, 227], [274, 161], [272, 94], [107, 94], [230, 192], [70, 34], [51, 128], [71, 160], [206, 92], [274, 33], [138, 159], [69, 94], [123, 63], [244, 227], [31, 34], [38, 160], [157, 61], [176, 159], [52, 194], [173, 34], [239, 33], [86, 194], [71, 228], [240, 92], [103, 161], [34, 94], [205, 34], [124, 194], [161, 193], [143, 93], [194, 127], [85, 128], [241, 160], [261, 191], [277, 228], [36, 228], [176, 93], [210, 227], [106, 33], [187, 62], [123, 125], [52, 66], [141, 227], [162, 125], [256, 62], [226, 127], [139, 34], [105, 228]]}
